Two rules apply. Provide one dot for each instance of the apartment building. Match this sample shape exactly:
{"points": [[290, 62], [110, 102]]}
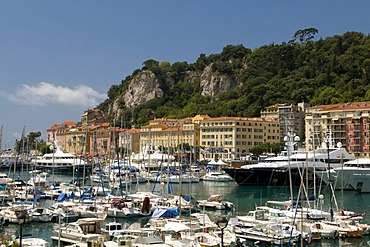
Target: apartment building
{"points": [[172, 135], [75, 137], [347, 123], [230, 138], [291, 118]]}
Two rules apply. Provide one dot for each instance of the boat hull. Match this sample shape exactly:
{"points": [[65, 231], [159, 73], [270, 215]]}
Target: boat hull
{"points": [[264, 177], [66, 169]]}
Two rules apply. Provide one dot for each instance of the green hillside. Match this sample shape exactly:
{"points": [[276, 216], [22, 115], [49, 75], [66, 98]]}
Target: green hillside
{"points": [[324, 71]]}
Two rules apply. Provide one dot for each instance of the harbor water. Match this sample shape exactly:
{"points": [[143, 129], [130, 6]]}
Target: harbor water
{"points": [[245, 198]]}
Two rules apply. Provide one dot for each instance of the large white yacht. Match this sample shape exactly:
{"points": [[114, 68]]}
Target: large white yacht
{"points": [[9, 159], [60, 162], [353, 175], [276, 171]]}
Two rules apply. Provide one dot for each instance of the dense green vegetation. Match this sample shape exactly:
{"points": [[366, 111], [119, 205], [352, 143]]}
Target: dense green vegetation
{"points": [[31, 142], [274, 148], [331, 70]]}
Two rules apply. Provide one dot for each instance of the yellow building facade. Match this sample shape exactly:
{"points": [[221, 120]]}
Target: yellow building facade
{"points": [[174, 135], [208, 138], [230, 138]]}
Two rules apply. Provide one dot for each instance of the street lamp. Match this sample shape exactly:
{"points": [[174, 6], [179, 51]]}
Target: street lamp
{"points": [[60, 216], [22, 217], [222, 224], [321, 198]]}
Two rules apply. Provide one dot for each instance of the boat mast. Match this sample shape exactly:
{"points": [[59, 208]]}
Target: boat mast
{"points": [[83, 152], [115, 141], [149, 151], [168, 166], [127, 171], [23, 148], [314, 158], [290, 140], [180, 168], [14, 171], [328, 144], [192, 148], [1, 138], [52, 148]]}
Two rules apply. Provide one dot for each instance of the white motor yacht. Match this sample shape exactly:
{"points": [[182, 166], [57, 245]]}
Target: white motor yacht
{"points": [[60, 162], [216, 176], [41, 214], [83, 230], [287, 167], [352, 175], [214, 203], [33, 242]]}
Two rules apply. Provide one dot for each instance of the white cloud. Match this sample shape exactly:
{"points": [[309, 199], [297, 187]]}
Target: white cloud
{"points": [[47, 93]]}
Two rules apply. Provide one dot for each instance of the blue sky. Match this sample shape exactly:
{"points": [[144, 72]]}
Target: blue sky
{"points": [[59, 58]]}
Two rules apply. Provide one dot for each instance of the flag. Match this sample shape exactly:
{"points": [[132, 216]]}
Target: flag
{"points": [[309, 238]]}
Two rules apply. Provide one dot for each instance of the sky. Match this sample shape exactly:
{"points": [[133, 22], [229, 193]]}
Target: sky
{"points": [[59, 58]]}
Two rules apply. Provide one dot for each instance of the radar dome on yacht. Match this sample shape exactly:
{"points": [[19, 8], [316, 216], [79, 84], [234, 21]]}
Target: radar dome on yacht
{"points": [[339, 145]]}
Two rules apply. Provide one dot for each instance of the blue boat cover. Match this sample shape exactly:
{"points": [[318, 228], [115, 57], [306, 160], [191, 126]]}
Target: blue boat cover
{"points": [[165, 213], [62, 197]]}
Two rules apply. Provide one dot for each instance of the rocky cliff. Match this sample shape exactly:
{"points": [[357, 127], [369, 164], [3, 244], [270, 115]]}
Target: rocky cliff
{"points": [[145, 85], [214, 83]]}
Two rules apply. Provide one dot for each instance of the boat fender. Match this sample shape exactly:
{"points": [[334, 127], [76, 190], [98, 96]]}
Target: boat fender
{"points": [[105, 209], [168, 204], [146, 205]]}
